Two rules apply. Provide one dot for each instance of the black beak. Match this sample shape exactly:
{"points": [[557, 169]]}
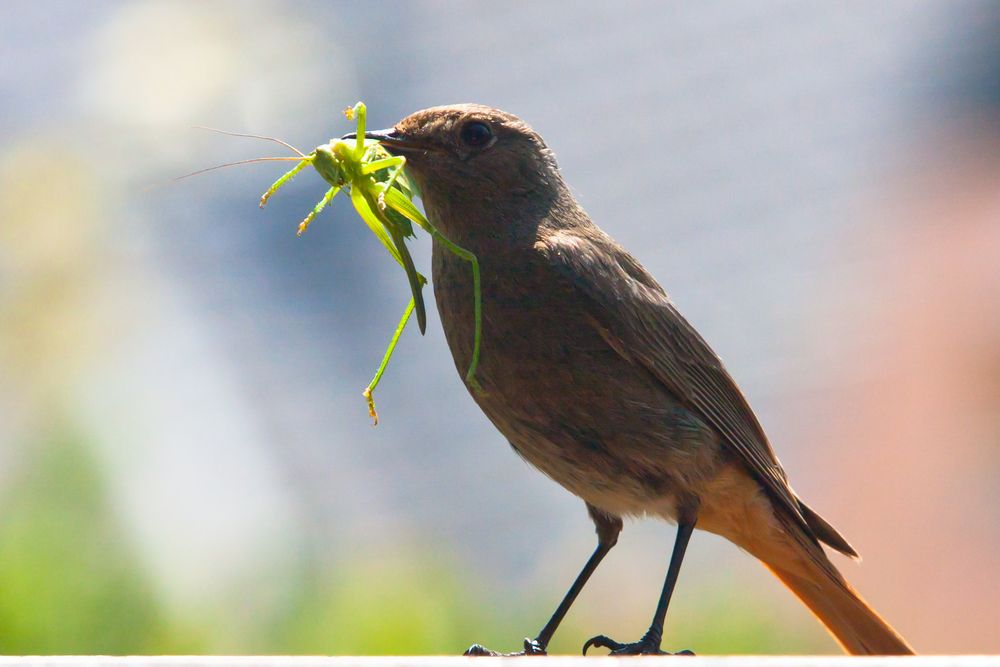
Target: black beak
{"points": [[391, 139]]}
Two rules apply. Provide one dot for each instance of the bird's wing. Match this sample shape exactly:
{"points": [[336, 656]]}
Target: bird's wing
{"points": [[637, 319]]}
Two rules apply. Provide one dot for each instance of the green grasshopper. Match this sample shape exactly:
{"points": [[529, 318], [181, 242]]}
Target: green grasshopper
{"points": [[383, 197]]}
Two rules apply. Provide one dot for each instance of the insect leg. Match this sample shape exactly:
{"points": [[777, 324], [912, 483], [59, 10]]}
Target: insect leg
{"points": [[367, 393], [405, 207], [330, 194], [287, 176], [385, 163], [477, 303], [394, 164], [358, 111]]}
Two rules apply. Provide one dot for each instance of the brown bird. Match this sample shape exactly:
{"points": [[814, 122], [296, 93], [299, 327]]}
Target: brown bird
{"points": [[597, 380]]}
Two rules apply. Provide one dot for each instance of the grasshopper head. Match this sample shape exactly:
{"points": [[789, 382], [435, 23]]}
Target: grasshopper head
{"points": [[330, 161]]}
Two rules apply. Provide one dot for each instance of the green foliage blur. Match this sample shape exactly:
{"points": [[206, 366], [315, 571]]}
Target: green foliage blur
{"points": [[68, 580], [70, 583]]}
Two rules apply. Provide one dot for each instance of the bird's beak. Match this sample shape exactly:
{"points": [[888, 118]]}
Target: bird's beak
{"points": [[391, 139]]}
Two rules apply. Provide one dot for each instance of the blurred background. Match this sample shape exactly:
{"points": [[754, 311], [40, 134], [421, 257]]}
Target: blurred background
{"points": [[186, 462]]}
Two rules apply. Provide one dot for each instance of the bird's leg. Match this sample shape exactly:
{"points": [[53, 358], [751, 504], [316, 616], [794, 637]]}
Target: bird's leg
{"points": [[608, 528], [650, 642]]}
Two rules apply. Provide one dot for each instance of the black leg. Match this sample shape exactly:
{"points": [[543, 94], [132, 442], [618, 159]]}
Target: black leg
{"points": [[608, 528], [650, 642]]}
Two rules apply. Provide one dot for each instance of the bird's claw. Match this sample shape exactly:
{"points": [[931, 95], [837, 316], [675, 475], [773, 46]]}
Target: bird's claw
{"points": [[602, 641], [642, 647], [531, 647]]}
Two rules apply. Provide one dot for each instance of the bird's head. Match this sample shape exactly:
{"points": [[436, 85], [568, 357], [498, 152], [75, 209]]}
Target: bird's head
{"points": [[469, 158]]}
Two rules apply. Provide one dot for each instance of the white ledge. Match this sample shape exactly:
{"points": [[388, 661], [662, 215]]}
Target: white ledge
{"points": [[542, 661]]}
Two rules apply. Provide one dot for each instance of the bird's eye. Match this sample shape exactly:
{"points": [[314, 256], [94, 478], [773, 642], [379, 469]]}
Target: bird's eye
{"points": [[476, 134]]}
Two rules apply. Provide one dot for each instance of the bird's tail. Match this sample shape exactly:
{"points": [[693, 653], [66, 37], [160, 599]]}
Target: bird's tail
{"points": [[858, 628], [813, 578], [738, 508]]}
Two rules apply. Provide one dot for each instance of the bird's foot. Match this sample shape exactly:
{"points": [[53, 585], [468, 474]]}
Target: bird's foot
{"points": [[531, 647], [646, 646]]}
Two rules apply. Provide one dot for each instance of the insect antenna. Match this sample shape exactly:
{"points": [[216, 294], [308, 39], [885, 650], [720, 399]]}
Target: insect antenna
{"points": [[233, 164], [252, 136]]}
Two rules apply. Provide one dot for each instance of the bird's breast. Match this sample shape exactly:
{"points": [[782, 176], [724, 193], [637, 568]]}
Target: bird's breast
{"points": [[567, 402], [533, 339]]}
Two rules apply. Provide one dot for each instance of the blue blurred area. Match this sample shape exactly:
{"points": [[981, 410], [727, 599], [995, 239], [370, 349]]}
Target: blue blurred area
{"points": [[207, 364]]}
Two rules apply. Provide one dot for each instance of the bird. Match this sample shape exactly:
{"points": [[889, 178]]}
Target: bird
{"points": [[594, 377]]}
